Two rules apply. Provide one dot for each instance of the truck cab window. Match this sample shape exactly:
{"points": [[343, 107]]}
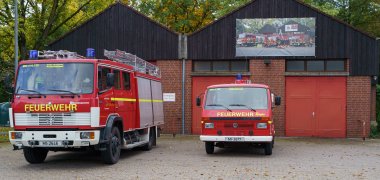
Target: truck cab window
{"points": [[102, 78], [126, 81], [117, 79]]}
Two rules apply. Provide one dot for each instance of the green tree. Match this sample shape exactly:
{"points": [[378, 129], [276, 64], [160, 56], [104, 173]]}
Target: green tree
{"points": [[40, 22], [186, 16], [362, 14]]}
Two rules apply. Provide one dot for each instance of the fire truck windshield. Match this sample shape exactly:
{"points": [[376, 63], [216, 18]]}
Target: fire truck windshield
{"points": [[237, 98], [55, 78]]}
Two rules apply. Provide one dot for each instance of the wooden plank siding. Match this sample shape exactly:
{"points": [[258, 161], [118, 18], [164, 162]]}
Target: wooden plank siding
{"points": [[334, 39], [121, 27]]}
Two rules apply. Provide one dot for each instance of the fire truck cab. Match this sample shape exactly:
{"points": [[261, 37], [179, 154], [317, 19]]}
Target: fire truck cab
{"points": [[66, 102], [238, 113]]}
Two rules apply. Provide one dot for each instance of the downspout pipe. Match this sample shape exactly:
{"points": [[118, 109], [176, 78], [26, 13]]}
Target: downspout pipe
{"points": [[183, 94], [182, 54]]}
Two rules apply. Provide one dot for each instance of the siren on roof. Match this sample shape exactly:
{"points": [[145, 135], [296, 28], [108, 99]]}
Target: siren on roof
{"points": [[90, 53], [239, 79], [33, 54]]}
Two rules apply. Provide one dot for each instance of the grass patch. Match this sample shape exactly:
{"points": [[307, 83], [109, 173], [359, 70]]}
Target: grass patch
{"points": [[4, 134]]}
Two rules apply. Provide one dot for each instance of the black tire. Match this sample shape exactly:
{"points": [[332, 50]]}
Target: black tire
{"points": [[152, 137], [112, 153], [268, 148], [35, 155], [209, 147]]}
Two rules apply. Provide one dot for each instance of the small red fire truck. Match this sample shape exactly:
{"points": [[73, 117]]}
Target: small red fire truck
{"points": [[238, 113], [66, 102]]}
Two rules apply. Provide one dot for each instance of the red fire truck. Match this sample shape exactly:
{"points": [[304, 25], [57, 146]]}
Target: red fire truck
{"points": [[246, 40], [64, 102], [238, 113]]}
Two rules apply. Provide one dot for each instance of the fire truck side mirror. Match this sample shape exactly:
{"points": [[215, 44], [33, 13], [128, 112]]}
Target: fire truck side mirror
{"points": [[277, 101], [198, 101], [110, 79]]}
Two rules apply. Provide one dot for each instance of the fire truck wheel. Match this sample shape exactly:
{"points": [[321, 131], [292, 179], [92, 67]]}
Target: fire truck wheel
{"points": [[35, 155], [268, 148], [152, 137], [112, 153], [209, 147]]}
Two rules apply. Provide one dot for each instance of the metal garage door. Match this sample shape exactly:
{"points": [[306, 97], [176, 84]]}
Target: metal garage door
{"points": [[199, 86], [316, 106]]}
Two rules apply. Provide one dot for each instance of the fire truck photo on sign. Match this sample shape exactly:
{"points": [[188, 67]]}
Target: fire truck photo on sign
{"points": [[275, 37]]}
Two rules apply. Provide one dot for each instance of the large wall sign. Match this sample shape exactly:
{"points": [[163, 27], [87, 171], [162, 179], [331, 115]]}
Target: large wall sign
{"points": [[275, 37]]}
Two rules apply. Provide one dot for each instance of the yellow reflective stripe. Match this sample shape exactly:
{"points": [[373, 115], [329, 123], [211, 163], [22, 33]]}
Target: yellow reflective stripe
{"points": [[150, 100], [123, 99], [134, 100]]}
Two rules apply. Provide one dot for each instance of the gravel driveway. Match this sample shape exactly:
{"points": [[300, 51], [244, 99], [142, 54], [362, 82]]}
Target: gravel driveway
{"points": [[184, 157]]}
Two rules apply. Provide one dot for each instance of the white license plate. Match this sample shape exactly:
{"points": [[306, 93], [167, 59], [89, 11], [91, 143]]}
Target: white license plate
{"points": [[50, 143], [237, 139]]}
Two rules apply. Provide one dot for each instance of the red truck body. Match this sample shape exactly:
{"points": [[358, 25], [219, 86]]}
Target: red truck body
{"points": [[66, 104], [238, 113]]}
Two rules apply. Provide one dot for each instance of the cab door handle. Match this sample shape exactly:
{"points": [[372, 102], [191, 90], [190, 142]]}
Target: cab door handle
{"points": [[313, 114]]}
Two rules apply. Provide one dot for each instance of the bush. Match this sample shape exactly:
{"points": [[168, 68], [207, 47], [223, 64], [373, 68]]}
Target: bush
{"points": [[375, 133]]}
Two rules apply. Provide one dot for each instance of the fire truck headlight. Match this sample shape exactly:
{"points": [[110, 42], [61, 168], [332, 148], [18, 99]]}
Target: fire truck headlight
{"points": [[261, 125], [87, 135], [16, 135], [209, 125]]}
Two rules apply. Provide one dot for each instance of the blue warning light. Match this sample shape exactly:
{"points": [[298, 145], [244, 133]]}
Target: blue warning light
{"points": [[33, 54], [239, 76], [90, 53]]}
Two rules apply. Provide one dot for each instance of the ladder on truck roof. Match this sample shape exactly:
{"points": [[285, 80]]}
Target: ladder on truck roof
{"points": [[139, 64], [61, 54]]}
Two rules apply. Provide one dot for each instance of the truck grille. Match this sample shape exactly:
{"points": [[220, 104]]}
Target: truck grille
{"points": [[52, 119]]}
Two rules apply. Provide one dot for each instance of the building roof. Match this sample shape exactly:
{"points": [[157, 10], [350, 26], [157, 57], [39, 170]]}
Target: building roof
{"points": [[118, 3], [299, 2], [267, 29], [121, 27]]}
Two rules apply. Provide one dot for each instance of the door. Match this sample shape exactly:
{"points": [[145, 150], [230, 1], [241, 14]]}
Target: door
{"points": [[106, 105], [316, 106], [125, 101], [198, 88]]}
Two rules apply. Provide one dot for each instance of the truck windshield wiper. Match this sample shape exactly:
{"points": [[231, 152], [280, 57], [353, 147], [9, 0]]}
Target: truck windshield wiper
{"points": [[62, 90], [228, 109], [244, 106], [29, 90]]}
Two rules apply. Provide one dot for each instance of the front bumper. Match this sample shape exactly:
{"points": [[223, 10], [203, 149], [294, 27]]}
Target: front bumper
{"points": [[53, 139], [237, 138]]}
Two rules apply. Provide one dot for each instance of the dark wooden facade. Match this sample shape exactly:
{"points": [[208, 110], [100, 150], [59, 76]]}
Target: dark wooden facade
{"points": [[121, 27], [334, 39]]}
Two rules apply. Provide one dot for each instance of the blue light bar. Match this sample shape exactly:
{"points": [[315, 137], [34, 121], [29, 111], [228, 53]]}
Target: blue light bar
{"points": [[90, 53], [33, 54], [239, 76]]}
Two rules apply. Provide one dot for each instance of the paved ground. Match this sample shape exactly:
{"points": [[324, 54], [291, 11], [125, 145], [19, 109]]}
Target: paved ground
{"points": [[185, 158], [290, 51]]}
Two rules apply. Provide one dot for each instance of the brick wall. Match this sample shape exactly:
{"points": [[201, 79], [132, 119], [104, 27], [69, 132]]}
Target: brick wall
{"points": [[358, 105], [272, 75], [171, 73]]}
